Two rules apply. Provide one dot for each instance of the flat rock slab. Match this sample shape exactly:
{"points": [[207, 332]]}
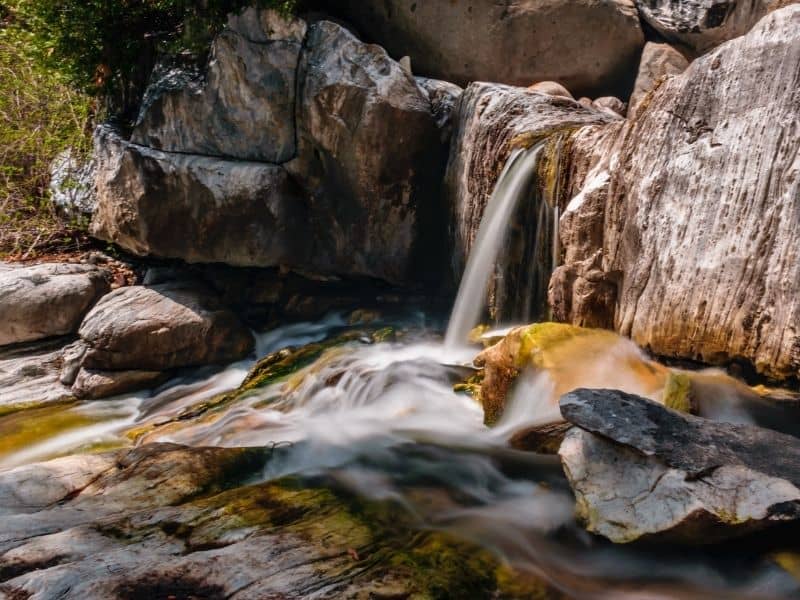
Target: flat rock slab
{"points": [[640, 470], [47, 300], [162, 327]]}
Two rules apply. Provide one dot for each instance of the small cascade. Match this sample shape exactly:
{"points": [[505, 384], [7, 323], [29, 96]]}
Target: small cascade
{"points": [[512, 185]]}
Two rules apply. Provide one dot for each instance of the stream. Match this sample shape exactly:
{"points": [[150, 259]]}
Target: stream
{"points": [[382, 419]]}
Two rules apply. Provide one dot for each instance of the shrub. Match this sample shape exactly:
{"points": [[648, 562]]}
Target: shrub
{"points": [[40, 115], [110, 46]]}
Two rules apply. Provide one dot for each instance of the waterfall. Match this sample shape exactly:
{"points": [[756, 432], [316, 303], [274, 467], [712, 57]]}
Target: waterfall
{"points": [[511, 186]]}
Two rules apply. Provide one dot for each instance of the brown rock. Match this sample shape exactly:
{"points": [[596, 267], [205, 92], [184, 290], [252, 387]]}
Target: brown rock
{"points": [[658, 61]]}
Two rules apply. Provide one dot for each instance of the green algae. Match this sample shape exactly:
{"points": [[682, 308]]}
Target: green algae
{"points": [[25, 427]]}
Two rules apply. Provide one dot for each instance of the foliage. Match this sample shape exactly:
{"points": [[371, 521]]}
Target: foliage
{"points": [[110, 46], [40, 115]]}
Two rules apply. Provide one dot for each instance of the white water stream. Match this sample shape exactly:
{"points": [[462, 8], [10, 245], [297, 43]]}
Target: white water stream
{"points": [[511, 186]]}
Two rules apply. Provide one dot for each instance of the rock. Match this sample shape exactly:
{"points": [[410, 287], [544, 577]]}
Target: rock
{"points": [[91, 384], [492, 119], [615, 105], [679, 231], [530, 40], [703, 24], [162, 327], [243, 109], [658, 61], [30, 374], [71, 360], [551, 88], [369, 157], [262, 26], [47, 300], [642, 471], [197, 208], [570, 357], [444, 97], [544, 439], [72, 186], [163, 521]]}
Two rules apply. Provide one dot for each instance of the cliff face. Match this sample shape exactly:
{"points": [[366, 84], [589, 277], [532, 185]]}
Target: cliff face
{"points": [[688, 213]]}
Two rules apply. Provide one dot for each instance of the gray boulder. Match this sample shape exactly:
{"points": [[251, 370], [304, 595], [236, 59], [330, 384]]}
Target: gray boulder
{"points": [[30, 374], [444, 97], [47, 300], [642, 471], [243, 109], [658, 61], [702, 24], [369, 153], [161, 327], [91, 384], [197, 208], [516, 43]]}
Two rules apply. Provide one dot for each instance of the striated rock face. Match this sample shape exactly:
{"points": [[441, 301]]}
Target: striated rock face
{"points": [[491, 120], [162, 327], [681, 227], [515, 43], [640, 471], [658, 60], [47, 300], [703, 24], [369, 155], [244, 109], [197, 208]]}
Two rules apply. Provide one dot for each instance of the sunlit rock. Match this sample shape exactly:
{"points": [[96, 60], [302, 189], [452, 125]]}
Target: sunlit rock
{"points": [[641, 471], [162, 327], [47, 300], [658, 61], [679, 225]]}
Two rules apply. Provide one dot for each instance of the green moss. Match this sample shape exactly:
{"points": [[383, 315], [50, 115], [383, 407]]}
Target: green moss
{"points": [[536, 340], [678, 393]]}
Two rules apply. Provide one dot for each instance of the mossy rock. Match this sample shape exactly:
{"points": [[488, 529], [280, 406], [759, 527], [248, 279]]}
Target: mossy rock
{"points": [[678, 393]]}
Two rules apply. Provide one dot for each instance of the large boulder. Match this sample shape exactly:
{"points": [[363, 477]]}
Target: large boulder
{"points": [[244, 106], [197, 208], [369, 156], [493, 120], [702, 24], [515, 43], [642, 471], [47, 300], [680, 231], [162, 327]]}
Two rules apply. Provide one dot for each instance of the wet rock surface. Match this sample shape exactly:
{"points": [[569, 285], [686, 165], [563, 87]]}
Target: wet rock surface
{"points": [[642, 471], [677, 231], [513, 43], [47, 300], [162, 327], [165, 520]]}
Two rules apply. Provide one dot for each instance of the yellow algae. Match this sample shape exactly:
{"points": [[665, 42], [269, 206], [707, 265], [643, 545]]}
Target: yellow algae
{"points": [[678, 393], [24, 428]]}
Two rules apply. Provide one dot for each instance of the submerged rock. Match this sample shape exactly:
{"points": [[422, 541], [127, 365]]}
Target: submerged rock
{"points": [[197, 208], [512, 43], [47, 300], [162, 327], [642, 471], [680, 228]]}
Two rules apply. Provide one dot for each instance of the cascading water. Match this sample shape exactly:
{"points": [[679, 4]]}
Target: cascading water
{"points": [[511, 187]]}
